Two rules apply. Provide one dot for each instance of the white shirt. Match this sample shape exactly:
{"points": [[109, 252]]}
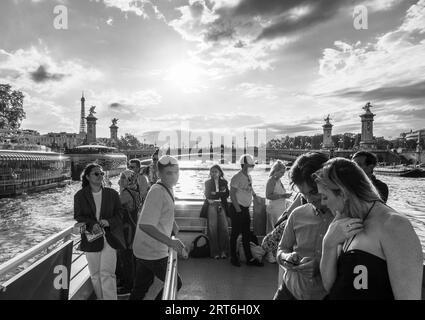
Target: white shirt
{"points": [[242, 184], [98, 202], [158, 211]]}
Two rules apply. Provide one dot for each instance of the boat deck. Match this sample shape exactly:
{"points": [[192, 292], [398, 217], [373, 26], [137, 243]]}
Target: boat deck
{"points": [[210, 279]]}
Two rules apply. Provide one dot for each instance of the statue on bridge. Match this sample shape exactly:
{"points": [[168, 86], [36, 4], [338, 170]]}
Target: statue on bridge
{"points": [[114, 121], [367, 107], [328, 119], [92, 111]]}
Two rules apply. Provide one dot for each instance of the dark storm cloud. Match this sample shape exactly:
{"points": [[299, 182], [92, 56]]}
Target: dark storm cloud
{"points": [[415, 91], [42, 75], [116, 105], [279, 13]]}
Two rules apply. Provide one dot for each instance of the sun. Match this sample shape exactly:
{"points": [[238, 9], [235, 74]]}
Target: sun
{"points": [[184, 75]]}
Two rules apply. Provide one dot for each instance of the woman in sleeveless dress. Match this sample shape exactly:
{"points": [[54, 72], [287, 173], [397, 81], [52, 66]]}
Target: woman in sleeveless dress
{"points": [[370, 251], [277, 202]]}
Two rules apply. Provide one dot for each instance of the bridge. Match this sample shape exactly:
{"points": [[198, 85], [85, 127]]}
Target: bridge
{"points": [[292, 154]]}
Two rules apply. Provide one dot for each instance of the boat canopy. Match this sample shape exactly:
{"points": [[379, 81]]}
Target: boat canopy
{"points": [[29, 156]]}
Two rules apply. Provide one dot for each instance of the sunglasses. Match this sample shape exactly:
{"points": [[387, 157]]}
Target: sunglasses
{"points": [[166, 160], [99, 174]]}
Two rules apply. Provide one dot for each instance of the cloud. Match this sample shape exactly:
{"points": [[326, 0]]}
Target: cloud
{"points": [[35, 69], [415, 91], [225, 45], [255, 91], [41, 75], [142, 8], [390, 68]]}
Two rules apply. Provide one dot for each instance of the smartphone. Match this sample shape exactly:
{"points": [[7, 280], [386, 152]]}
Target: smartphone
{"points": [[291, 262]]}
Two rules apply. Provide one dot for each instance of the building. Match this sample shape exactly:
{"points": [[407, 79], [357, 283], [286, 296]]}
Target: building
{"points": [[62, 140], [414, 135]]}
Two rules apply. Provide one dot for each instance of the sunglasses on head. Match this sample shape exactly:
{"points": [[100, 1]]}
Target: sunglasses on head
{"points": [[166, 160]]}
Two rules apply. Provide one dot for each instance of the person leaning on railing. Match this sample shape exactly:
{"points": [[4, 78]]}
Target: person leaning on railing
{"points": [[215, 210], [153, 235], [99, 208]]}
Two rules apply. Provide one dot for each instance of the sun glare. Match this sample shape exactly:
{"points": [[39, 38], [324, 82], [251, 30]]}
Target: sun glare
{"points": [[184, 75]]}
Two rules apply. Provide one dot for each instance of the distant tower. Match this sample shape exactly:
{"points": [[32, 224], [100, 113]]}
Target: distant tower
{"points": [[367, 142], [91, 127], [327, 134], [114, 130], [83, 115]]}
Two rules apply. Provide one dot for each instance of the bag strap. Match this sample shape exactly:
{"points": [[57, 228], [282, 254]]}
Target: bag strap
{"points": [[134, 204], [168, 190]]}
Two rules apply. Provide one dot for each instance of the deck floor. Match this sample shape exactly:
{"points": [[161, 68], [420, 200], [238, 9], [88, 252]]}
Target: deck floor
{"points": [[210, 279]]}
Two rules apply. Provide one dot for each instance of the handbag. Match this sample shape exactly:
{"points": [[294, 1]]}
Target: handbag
{"points": [[200, 251]]}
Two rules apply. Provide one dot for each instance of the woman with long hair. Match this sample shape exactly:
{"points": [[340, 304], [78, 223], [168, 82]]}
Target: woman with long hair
{"points": [[99, 209], [276, 195], [215, 210], [370, 251], [131, 203], [277, 200]]}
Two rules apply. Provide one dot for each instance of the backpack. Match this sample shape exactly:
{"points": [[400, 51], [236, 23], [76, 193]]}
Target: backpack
{"points": [[256, 250], [200, 251]]}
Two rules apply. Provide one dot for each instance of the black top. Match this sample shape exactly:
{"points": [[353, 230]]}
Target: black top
{"points": [[222, 194], [381, 187], [361, 276]]}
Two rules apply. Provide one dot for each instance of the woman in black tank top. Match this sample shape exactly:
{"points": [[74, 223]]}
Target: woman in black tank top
{"points": [[348, 272]]}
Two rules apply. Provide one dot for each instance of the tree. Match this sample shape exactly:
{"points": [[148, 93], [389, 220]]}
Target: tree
{"points": [[129, 142], [11, 107]]}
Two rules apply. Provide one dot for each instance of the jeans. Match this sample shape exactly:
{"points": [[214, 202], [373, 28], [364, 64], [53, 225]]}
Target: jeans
{"points": [[102, 272], [125, 268], [146, 271], [218, 233], [241, 223]]}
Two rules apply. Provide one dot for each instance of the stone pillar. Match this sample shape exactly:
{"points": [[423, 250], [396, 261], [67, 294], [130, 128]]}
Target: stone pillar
{"points": [[114, 132], [91, 129], [367, 141], [327, 134]]}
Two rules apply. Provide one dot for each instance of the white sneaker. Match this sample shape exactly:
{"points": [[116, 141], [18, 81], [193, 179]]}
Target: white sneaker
{"points": [[270, 257]]}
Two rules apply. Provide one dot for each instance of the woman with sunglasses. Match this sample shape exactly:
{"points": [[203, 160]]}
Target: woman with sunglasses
{"points": [[99, 208], [370, 251], [215, 210]]}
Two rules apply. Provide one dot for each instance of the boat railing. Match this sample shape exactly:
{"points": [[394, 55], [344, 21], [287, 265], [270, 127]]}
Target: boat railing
{"points": [[45, 246], [31, 256], [170, 283]]}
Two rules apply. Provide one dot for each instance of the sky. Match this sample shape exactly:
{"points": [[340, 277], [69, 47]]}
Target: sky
{"points": [[223, 66]]}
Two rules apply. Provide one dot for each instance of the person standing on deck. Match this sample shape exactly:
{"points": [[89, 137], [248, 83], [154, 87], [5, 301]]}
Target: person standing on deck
{"points": [[131, 203], [153, 168], [155, 226], [241, 194], [142, 181], [300, 248], [277, 199], [367, 161], [215, 210], [99, 209]]}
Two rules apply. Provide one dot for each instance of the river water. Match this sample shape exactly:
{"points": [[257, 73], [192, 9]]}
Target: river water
{"points": [[29, 219]]}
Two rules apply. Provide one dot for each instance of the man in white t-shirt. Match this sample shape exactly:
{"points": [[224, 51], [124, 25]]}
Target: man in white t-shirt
{"points": [[155, 226], [241, 194]]}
